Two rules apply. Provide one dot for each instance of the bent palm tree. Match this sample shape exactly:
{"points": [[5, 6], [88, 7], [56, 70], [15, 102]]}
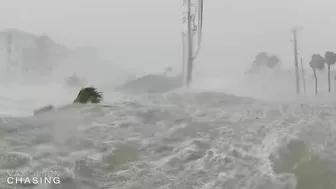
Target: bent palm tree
{"points": [[85, 95], [330, 58], [316, 63]]}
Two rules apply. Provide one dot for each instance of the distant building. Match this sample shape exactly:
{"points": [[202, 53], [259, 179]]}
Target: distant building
{"points": [[22, 52]]}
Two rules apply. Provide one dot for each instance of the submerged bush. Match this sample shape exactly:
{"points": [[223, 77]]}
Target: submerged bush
{"points": [[88, 94]]}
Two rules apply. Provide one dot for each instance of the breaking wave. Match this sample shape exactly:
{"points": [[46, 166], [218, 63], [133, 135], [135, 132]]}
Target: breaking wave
{"points": [[178, 141]]}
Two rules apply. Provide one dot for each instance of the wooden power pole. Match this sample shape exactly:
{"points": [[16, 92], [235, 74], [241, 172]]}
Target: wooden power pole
{"points": [[190, 45], [194, 19], [296, 61]]}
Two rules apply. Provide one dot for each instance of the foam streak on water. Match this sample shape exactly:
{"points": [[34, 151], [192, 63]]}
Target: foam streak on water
{"points": [[178, 141]]}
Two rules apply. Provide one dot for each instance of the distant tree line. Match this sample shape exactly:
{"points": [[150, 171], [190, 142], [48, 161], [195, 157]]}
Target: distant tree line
{"points": [[264, 60], [317, 62]]}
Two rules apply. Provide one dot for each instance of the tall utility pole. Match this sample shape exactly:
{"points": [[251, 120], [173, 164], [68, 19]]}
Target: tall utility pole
{"points": [[183, 58], [190, 45], [296, 62], [194, 19]]}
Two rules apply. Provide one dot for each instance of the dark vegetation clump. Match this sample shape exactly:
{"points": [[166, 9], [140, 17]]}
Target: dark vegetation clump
{"points": [[87, 95]]}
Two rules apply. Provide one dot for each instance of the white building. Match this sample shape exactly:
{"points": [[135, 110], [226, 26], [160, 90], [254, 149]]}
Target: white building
{"points": [[22, 54]]}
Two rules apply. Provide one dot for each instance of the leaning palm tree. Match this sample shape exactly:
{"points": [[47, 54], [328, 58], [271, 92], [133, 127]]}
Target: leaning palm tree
{"points": [[316, 63], [89, 95], [330, 58], [85, 96]]}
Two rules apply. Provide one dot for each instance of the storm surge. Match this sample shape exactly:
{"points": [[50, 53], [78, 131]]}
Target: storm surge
{"points": [[177, 140]]}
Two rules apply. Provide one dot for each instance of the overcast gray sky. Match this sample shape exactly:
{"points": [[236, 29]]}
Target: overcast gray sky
{"points": [[147, 33]]}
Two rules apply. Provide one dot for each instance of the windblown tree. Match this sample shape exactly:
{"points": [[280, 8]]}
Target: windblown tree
{"points": [[330, 59], [89, 95], [273, 61], [316, 63], [261, 59], [265, 60], [85, 96]]}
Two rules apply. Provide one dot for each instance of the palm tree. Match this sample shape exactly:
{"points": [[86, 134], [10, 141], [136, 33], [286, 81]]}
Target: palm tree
{"points": [[85, 96], [264, 60], [261, 59], [272, 61], [330, 58], [89, 94], [317, 62]]}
